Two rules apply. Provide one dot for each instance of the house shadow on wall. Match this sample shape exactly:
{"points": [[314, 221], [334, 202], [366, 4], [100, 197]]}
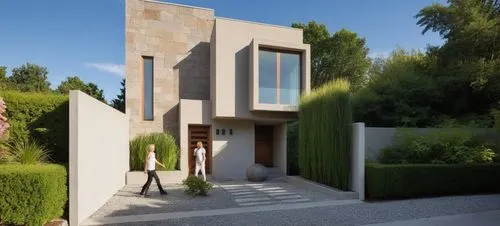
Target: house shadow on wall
{"points": [[192, 74]]}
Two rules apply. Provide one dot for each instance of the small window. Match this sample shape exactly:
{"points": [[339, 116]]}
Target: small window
{"points": [[279, 77], [148, 88]]}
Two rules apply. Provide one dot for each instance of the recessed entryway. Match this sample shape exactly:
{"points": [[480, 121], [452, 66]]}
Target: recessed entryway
{"points": [[199, 133], [264, 145]]}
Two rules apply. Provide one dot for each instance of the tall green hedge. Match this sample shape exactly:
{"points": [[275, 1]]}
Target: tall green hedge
{"points": [[39, 116], [31, 194], [325, 120], [166, 149], [419, 180]]}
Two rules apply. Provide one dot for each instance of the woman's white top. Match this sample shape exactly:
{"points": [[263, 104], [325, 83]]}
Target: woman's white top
{"points": [[152, 161], [199, 152]]}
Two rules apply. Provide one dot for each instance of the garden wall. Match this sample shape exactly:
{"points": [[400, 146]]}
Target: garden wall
{"points": [[377, 138], [98, 156]]}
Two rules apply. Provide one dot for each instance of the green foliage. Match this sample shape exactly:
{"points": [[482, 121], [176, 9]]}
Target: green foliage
{"points": [[292, 146], [119, 102], [401, 92], [325, 134], [441, 146], [412, 181], [341, 55], [30, 78], [75, 83], [29, 152], [3, 78], [31, 194], [166, 149], [196, 186], [39, 117]]}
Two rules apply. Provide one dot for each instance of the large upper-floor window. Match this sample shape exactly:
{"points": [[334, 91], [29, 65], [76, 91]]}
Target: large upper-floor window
{"points": [[279, 77], [148, 88]]}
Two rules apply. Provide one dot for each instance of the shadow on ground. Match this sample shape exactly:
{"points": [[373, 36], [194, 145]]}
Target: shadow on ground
{"points": [[128, 201]]}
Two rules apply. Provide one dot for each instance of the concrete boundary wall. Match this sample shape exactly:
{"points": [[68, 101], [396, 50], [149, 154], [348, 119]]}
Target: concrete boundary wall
{"points": [[98, 154], [378, 138]]}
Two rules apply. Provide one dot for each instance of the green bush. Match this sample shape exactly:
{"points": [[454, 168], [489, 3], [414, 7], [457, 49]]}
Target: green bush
{"points": [[29, 152], [292, 146], [325, 135], [31, 194], [39, 116], [420, 180], [166, 150], [441, 146], [196, 186]]}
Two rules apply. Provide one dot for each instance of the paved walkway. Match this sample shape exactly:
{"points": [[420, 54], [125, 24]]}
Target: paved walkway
{"points": [[253, 194], [434, 211]]}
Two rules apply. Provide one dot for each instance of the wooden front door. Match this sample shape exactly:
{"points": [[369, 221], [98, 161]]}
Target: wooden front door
{"points": [[264, 145], [199, 133]]}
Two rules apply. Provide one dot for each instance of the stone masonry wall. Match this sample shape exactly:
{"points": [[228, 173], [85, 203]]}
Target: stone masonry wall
{"points": [[178, 37]]}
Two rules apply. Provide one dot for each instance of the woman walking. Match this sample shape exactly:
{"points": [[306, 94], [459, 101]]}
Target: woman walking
{"points": [[150, 169]]}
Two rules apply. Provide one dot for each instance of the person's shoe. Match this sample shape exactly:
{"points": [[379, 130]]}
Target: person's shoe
{"points": [[146, 196], [164, 193]]}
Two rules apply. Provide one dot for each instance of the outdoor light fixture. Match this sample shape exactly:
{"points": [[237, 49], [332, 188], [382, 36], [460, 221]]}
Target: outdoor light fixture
{"points": [[223, 131], [230, 131], [217, 131]]}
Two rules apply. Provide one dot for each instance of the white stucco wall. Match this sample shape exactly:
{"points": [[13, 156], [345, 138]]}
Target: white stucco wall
{"points": [[98, 154], [232, 154], [279, 149]]}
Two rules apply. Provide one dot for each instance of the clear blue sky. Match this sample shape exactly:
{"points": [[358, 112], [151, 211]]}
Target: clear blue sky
{"points": [[86, 38]]}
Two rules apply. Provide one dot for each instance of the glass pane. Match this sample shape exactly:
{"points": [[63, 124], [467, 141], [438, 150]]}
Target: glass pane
{"points": [[267, 77], [289, 78], [148, 88]]}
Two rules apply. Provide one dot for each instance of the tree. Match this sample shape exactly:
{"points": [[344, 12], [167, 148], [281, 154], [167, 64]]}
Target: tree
{"points": [[30, 78], [119, 102], [3, 77], [343, 55], [71, 83], [469, 60], [95, 92], [75, 83]]}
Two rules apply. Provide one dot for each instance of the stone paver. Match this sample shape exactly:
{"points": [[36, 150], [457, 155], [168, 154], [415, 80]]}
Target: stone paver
{"points": [[354, 214], [270, 193]]}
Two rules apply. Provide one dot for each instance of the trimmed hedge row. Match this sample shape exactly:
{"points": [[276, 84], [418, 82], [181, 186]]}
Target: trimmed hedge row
{"points": [[419, 180], [40, 116], [325, 120], [32, 194]]}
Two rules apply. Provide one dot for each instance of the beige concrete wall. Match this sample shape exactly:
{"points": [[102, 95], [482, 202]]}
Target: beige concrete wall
{"points": [[192, 112], [178, 37], [279, 152], [232, 154], [98, 154], [378, 138], [230, 78]]}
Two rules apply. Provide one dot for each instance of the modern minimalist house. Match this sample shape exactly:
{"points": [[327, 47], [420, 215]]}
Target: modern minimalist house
{"points": [[229, 83]]}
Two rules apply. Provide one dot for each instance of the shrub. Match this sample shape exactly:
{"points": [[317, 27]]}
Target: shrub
{"points": [[196, 186], [165, 147], [419, 180], [3, 120], [39, 116], [325, 135], [29, 152], [292, 146], [31, 194], [441, 146]]}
